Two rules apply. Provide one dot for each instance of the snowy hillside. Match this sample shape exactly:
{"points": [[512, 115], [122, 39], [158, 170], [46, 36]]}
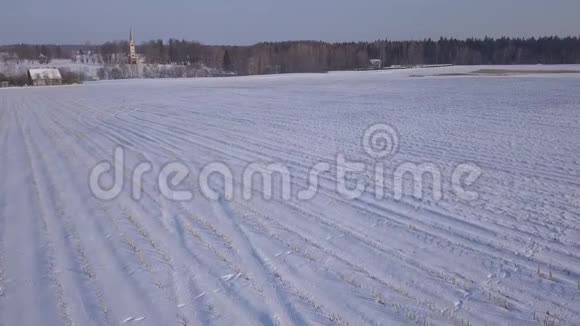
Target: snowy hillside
{"points": [[509, 255]]}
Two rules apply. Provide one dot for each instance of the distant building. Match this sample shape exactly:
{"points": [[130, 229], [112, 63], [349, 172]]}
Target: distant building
{"points": [[132, 51], [44, 77], [376, 64], [4, 84]]}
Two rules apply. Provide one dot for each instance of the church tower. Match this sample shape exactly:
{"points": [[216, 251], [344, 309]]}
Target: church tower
{"points": [[132, 52]]}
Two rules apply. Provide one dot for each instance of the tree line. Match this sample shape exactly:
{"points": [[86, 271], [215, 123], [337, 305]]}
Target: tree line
{"points": [[315, 56], [312, 56], [23, 52]]}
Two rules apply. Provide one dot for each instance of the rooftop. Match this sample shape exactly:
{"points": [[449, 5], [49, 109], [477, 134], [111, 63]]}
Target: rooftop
{"points": [[39, 74]]}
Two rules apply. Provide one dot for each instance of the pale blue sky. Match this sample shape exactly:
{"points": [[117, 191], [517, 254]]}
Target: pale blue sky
{"points": [[250, 21]]}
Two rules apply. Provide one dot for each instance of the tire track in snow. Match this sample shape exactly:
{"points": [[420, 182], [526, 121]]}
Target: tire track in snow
{"points": [[495, 247], [132, 209], [229, 233], [453, 219], [30, 276], [315, 250], [319, 257], [135, 294], [67, 257], [103, 267], [253, 260], [444, 237], [125, 238], [125, 213], [190, 123], [4, 127], [180, 131]]}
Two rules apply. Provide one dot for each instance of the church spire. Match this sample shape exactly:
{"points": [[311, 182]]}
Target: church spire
{"points": [[132, 52]]}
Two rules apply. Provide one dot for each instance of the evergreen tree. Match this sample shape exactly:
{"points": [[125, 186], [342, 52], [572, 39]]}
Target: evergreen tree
{"points": [[227, 62]]}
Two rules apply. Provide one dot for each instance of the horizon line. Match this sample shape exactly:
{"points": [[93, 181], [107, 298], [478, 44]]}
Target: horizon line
{"points": [[90, 43]]}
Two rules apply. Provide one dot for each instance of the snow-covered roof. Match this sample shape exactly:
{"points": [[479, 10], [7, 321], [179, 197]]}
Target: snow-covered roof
{"points": [[40, 74]]}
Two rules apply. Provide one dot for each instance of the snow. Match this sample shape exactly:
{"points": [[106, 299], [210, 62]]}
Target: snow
{"points": [[511, 256]]}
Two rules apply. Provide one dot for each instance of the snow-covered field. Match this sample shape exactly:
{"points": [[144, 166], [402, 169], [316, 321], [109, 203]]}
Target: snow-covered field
{"points": [[510, 256]]}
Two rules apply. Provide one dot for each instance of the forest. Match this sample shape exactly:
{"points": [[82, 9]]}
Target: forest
{"points": [[315, 56]]}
